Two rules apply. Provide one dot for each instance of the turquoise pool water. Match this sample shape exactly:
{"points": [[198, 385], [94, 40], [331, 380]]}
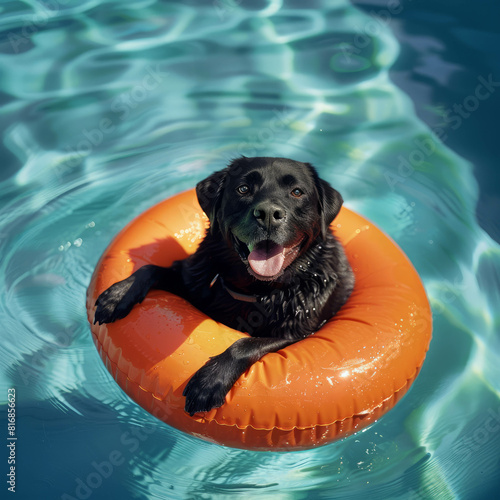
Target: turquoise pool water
{"points": [[109, 107]]}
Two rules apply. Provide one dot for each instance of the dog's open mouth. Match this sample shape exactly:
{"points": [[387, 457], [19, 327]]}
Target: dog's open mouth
{"points": [[268, 259]]}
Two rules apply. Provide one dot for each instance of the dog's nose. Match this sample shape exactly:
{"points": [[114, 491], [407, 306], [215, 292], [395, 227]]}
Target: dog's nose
{"points": [[269, 214]]}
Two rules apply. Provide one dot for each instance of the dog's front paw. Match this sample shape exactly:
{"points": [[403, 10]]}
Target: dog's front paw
{"points": [[117, 301], [208, 387]]}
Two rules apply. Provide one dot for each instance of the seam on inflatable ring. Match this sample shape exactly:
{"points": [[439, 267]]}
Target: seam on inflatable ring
{"points": [[406, 385]]}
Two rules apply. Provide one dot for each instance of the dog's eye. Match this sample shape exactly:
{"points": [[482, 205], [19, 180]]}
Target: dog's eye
{"points": [[297, 193], [243, 189]]}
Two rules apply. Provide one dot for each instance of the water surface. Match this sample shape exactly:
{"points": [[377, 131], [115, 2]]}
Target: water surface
{"points": [[108, 108]]}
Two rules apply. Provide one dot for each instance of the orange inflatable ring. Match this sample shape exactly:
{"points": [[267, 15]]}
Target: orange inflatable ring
{"points": [[329, 385]]}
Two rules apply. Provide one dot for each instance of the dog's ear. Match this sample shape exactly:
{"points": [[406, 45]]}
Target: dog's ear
{"points": [[209, 193], [330, 202]]}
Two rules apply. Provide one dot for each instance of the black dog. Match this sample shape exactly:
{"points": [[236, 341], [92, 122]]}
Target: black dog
{"points": [[269, 265]]}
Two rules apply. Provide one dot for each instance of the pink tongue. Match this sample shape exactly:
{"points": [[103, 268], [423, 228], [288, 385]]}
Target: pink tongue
{"points": [[267, 260]]}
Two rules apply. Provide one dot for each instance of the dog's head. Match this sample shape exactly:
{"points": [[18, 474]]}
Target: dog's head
{"points": [[269, 210]]}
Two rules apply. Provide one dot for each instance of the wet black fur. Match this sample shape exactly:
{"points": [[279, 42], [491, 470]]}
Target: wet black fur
{"points": [[290, 306]]}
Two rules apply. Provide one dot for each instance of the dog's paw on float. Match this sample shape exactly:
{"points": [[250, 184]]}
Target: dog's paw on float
{"points": [[118, 300], [208, 387]]}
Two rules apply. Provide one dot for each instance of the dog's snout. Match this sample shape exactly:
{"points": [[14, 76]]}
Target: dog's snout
{"points": [[269, 214]]}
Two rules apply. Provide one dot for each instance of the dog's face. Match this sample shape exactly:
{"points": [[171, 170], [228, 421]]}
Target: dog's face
{"points": [[269, 210]]}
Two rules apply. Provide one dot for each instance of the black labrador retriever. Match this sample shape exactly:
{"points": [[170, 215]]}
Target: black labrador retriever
{"points": [[268, 265]]}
